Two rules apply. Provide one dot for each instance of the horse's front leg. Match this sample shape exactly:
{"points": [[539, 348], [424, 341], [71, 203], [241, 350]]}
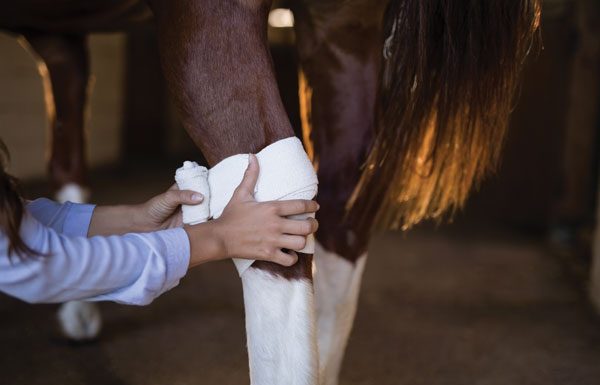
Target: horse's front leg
{"points": [[280, 323], [217, 63]]}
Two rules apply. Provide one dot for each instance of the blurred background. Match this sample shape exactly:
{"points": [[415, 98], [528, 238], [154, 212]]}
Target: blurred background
{"points": [[502, 295]]}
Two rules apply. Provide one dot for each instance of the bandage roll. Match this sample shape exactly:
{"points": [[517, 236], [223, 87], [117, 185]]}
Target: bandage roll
{"points": [[192, 176]]}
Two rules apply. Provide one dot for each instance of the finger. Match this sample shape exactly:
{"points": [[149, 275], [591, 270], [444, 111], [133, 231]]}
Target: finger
{"points": [[295, 206], [250, 177], [291, 242], [299, 226], [287, 258], [174, 198], [177, 220], [174, 187]]}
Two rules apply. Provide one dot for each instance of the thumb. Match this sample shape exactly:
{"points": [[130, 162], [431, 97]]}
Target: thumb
{"points": [[246, 187], [174, 198]]}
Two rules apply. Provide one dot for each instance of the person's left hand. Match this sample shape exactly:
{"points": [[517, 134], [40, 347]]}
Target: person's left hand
{"points": [[163, 211]]}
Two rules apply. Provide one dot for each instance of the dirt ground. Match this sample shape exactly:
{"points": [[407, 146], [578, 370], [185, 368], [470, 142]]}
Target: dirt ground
{"points": [[438, 307]]}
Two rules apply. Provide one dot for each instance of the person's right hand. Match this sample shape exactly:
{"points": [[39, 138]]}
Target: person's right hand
{"points": [[257, 230]]}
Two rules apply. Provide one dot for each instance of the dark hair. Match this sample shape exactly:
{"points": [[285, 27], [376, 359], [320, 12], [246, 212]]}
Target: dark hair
{"points": [[11, 208], [446, 92]]}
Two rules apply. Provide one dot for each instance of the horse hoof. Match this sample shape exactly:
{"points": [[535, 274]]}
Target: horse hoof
{"points": [[79, 321], [72, 192]]}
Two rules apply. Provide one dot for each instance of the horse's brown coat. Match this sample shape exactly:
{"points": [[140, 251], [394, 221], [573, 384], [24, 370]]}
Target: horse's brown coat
{"points": [[339, 45]]}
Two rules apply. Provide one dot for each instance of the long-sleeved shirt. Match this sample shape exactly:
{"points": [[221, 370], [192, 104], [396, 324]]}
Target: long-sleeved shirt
{"points": [[132, 269]]}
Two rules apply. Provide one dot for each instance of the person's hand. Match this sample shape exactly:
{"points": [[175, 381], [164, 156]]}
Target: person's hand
{"points": [[254, 230], [163, 211], [160, 212]]}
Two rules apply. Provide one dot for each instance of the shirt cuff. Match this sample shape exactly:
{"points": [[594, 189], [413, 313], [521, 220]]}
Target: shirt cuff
{"points": [[79, 217], [177, 255]]}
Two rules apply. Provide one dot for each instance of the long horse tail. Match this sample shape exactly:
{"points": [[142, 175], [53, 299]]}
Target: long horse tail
{"points": [[446, 90]]}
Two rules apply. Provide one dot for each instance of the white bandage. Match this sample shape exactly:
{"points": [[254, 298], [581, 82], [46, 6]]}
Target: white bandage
{"points": [[285, 173], [193, 177]]}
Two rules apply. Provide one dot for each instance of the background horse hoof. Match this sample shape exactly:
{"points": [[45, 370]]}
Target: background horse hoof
{"points": [[79, 321], [72, 192]]}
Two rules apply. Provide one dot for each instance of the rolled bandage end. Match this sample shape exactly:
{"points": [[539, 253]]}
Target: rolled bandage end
{"points": [[194, 177], [189, 164]]}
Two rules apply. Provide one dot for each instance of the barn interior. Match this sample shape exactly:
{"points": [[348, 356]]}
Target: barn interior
{"points": [[507, 292]]}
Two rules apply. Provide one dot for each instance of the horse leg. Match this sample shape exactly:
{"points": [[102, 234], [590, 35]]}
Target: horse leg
{"points": [[280, 323], [337, 285], [223, 82], [63, 63], [339, 57]]}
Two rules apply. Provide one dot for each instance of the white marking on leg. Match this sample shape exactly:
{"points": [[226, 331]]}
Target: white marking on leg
{"points": [[337, 285], [72, 192], [80, 320], [280, 325]]}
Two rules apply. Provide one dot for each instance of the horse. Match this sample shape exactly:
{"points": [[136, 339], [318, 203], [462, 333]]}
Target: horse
{"points": [[404, 105]]}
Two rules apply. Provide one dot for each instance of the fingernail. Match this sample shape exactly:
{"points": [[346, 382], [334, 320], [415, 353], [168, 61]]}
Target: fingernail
{"points": [[196, 197], [318, 206]]}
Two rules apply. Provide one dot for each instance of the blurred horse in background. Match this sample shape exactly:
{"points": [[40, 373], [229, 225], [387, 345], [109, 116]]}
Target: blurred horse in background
{"points": [[404, 107]]}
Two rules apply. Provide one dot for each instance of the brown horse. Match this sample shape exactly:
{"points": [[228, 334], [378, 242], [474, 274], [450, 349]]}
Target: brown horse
{"points": [[404, 106]]}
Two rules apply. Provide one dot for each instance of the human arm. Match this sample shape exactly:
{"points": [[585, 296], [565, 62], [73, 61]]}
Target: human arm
{"points": [[158, 213], [67, 218], [131, 269]]}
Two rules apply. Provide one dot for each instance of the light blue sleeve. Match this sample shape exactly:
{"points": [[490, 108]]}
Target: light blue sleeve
{"points": [[66, 218], [130, 269]]}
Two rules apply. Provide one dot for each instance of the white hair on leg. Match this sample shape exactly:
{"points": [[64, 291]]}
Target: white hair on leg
{"points": [[337, 285], [72, 192], [78, 320], [280, 327]]}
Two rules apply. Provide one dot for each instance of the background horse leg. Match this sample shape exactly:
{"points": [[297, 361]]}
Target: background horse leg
{"points": [[339, 55], [218, 67], [63, 63]]}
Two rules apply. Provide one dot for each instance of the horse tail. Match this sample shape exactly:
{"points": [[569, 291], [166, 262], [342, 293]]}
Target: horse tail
{"points": [[446, 90]]}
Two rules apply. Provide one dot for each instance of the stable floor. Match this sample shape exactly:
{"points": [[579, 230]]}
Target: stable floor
{"points": [[446, 307]]}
